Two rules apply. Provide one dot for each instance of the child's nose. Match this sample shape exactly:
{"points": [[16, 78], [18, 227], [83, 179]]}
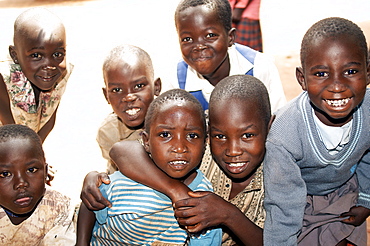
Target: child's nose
{"points": [[337, 86], [48, 67], [233, 149], [200, 46], [20, 182], [129, 97], [179, 146]]}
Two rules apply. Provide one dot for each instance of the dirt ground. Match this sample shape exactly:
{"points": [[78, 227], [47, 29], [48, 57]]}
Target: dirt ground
{"points": [[95, 26]]}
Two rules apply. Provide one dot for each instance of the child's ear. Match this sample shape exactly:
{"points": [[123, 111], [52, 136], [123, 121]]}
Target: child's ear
{"points": [[157, 86], [145, 138], [13, 54], [232, 36], [270, 122], [105, 94], [300, 78], [368, 73], [46, 171]]}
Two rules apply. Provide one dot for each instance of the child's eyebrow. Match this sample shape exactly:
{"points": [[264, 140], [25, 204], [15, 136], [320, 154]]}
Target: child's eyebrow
{"points": [[143, 78], [318, 67], [243, 129], [36, 48], [168, 127], [353, 64]]}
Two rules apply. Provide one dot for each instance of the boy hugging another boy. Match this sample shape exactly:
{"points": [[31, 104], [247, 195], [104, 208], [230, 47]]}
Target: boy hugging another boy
{"points": [[130, 88]]}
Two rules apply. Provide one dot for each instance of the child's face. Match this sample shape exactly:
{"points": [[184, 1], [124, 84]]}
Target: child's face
{"points": [[176, 140], [335, 76], [238, 143], [130, 89], [204, 41], [22, 175], [41, 53]]}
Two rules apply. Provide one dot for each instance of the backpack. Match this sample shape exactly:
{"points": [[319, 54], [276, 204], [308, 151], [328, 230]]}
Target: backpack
{"points": [[182, 68]]}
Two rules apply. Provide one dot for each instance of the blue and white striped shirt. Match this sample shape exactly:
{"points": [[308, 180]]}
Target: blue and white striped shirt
{"points": [[142, 216]]}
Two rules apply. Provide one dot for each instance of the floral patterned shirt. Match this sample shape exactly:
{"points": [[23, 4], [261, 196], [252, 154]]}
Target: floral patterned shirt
{"points": [[22, 98]]}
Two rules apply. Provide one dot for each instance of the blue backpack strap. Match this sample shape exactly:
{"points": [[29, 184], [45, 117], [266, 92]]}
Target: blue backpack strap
{"points": [[199, 95], [182, 69], [247, 53]]}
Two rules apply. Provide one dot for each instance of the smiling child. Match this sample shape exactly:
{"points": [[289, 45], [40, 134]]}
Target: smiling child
{"points": [[317, 160], [31, 92], [174, 136], [130, 87]]}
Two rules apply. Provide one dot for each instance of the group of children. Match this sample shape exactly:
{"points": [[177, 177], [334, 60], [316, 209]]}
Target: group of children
{"points": [[297, 176]]}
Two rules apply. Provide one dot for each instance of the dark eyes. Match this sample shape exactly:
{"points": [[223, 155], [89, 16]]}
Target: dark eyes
{"points": [[211, 35], [189, 135], [164, 134], [193, 135], [58, 55], [139, 86], [32, 169], [321, 74], [38, 56], [350, 72], [325, 74], [248, 135], [187, 39], [4, 174], [220, 136], [245, 135], [116, 90]]}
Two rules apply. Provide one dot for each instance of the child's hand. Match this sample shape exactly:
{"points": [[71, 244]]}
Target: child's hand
{"points": [[90, 193], [357, 215], [204, 210]]}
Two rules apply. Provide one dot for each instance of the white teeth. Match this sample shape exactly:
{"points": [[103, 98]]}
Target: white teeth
{"points": [[240, 164], [132, 111], [178, 162], [338, 103]]}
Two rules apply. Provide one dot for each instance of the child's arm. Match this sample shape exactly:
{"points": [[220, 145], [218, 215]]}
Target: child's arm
{"points": [[206, 209], [6, 116], [133, 161], [85, 225], [46, 129]]}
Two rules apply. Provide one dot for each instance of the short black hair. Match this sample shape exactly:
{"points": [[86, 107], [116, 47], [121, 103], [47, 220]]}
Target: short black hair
{"points": [[333, 27], [128, 54], [174, 95], [222, 8], [245, 88], [15, 131]]}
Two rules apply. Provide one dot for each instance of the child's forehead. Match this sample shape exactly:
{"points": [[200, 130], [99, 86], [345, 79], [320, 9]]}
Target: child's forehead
{"points": [[348, 44], [51, 33], [16, 147], [204, 11]]}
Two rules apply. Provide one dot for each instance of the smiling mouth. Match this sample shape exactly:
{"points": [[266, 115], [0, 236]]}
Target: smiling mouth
{"points": [[178, 164], [338, 103], [47, 78], [132, 111], [237, 164]]}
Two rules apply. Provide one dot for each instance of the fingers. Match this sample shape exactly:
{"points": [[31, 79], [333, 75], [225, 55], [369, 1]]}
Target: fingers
{"points": [[104, 178], [94, 203], [197, 194]]}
